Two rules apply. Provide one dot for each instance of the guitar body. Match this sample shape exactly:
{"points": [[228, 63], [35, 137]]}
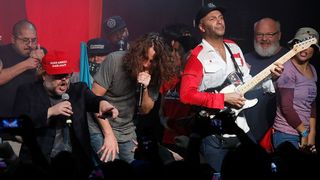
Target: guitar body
{"points": [[248, 103]]}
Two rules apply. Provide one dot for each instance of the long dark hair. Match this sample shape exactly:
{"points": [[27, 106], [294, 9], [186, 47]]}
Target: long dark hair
{"points": [[163, 66]]}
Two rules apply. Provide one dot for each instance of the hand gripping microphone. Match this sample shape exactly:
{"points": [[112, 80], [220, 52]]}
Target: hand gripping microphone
{"points": [[65, 97]]}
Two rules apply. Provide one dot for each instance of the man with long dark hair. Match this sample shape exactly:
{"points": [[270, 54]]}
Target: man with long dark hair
{"points": [[147, 64]]}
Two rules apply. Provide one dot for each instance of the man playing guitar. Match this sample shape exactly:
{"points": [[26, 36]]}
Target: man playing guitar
{"points": [[208, 66]]}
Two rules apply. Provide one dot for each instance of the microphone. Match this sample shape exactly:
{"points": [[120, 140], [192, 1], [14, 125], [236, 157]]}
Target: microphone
{"points": [[121, 45], [65, 97], [139, 92]]}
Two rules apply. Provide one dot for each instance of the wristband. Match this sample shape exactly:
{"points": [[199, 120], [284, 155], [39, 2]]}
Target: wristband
{"points": [[305, 133]]}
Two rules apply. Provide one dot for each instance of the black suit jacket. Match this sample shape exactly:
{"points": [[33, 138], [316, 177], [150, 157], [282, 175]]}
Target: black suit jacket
{"points": [[32, 100]]}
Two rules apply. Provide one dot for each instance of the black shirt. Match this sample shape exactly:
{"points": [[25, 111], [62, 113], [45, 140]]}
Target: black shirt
{"points": [[10, 58]]}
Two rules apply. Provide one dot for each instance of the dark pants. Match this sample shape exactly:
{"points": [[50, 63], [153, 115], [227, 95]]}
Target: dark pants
{"points": [[214, 148]]}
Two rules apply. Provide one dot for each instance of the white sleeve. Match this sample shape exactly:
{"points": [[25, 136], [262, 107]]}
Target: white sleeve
{"points": [[268, 86]]}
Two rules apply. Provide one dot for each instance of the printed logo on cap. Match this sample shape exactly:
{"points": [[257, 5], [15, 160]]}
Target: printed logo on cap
{"points": [[96, 46], [57, 64], [111, 23], [211, 5]]}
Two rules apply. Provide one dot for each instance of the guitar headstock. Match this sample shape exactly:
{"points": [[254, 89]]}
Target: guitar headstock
{"points": [[305, 44]]}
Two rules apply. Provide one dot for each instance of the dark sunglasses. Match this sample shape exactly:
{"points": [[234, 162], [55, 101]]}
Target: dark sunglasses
{"points": [[61, 76]]}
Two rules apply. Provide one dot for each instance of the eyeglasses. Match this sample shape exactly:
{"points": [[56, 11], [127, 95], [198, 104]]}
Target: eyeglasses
{"points": [[27, 40], [267, 35], [61, 76]]}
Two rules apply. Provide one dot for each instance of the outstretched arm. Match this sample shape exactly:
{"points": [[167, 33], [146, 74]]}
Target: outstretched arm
{"points": [[110, 147]]}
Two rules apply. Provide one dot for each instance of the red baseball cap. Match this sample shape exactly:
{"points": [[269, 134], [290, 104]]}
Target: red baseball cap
{"points": [[57, 62]]}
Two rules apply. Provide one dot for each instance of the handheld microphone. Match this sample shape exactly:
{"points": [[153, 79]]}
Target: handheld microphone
{"points": [[139, 92], [65, 97], [121, 45]]}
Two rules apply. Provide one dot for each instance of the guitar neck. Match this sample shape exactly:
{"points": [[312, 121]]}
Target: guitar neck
{"points": [[265, 73]]}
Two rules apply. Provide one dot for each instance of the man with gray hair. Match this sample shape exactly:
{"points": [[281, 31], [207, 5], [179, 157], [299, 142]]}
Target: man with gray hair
{"points": [[267, 49]]}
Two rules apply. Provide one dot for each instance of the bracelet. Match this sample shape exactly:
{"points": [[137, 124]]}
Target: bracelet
{"points": [[305, 133]]}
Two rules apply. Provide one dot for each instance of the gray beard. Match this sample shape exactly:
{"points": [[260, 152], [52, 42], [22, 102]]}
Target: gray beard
{"points": [[268, 52]]}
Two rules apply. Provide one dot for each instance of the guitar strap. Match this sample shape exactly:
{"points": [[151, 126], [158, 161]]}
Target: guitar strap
{"points": [[238, 71]]}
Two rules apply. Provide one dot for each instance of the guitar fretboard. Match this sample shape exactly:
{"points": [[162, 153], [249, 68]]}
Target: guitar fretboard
{"points": [[265, 73]]}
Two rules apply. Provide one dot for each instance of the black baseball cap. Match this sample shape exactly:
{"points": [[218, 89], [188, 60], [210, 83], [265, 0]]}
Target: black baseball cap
{"points": [[99, 46], [114, 24], [206, 9]]}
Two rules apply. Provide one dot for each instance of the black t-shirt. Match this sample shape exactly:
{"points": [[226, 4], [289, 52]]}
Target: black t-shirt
{"points": [[10, 58], [261, 116]]}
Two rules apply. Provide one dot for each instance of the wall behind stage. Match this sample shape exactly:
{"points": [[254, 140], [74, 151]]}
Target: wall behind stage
{"points": [[10, 12], [144, 16], [61, 25]]}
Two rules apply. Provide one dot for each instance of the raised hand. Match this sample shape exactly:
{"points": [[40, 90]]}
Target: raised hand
{"points": [[37, 53], [62, 108], [144, 78]]}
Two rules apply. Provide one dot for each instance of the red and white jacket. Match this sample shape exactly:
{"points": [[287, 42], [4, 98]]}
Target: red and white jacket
{"points": [[206, 69]]}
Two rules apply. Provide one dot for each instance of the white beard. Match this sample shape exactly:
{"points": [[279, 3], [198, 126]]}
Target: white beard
{"points": [[270, 51]]}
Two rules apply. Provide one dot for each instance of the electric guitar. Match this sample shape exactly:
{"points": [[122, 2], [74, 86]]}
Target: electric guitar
{"points": [[243, 88]]}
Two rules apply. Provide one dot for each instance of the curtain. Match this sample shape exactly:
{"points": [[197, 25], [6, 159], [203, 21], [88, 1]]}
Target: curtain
{"points": [[11, 11], [63, 24]]}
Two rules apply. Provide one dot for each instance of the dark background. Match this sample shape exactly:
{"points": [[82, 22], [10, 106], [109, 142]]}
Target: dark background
{"points": [[152, 15]]}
